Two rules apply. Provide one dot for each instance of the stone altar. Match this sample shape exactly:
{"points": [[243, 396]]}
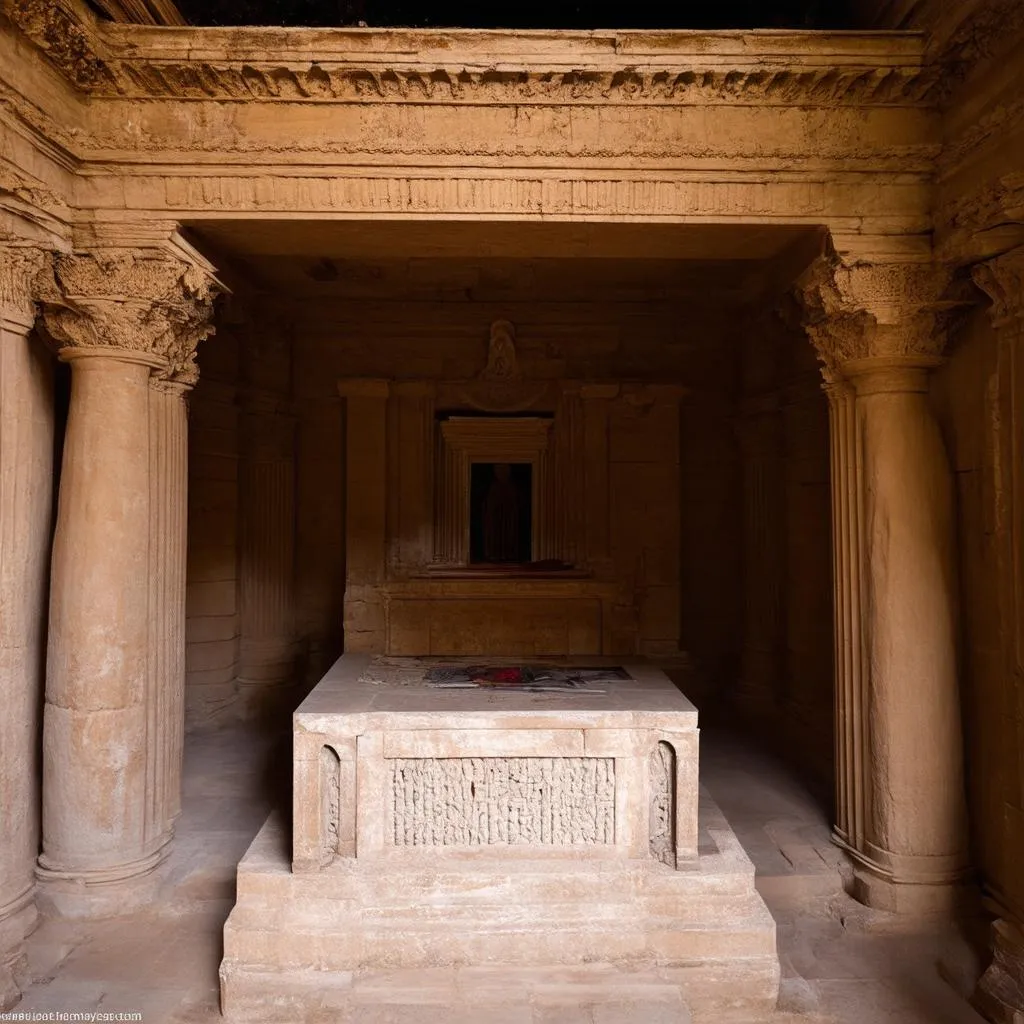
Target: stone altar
{"points": [[481, 837]]}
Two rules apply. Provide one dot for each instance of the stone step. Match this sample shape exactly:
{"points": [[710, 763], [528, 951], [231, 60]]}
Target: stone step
{"points": [[504, 994], [330, 911], [256, 940], [542, 881]]}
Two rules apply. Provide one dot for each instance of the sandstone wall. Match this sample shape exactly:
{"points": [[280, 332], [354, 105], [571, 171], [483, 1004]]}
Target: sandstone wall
{"points": [[212, 624], [783, 683], [966, 400]]}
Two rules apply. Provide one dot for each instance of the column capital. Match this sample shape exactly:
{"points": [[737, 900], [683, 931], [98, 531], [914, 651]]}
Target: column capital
{"points": [[149, 305], [1002, 280], [20, 267], [865, 311]]}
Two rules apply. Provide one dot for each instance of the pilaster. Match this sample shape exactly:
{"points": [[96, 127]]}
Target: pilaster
{"points": [[125, 318], [366, 420], [26, 480], [267, 656], [764, 529], [900, 791], [1000, 993]]}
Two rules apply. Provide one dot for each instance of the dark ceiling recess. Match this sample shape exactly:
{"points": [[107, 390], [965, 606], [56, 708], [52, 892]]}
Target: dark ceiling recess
{"points": [[525, 14]]}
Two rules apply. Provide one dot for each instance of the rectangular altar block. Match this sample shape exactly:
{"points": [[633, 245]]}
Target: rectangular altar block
{"points": [[496, 772], [452, 830]]}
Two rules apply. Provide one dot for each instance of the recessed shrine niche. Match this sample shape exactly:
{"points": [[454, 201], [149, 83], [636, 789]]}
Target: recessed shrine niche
{"points": [[511, 513]]}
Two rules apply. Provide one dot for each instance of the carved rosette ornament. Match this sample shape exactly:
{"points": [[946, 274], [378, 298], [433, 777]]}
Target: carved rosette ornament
{"points": [[154, 306]]}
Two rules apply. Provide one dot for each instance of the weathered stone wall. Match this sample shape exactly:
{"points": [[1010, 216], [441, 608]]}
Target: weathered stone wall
{"points": [[212, 625], [784, 680]]}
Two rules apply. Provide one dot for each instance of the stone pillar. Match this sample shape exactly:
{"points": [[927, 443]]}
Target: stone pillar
{"points": [[168, 535], [902, 807], [26, 482], [764, 533], [596, 400], [267, 657], [121, 317], [366, 420], [1000, 993]]}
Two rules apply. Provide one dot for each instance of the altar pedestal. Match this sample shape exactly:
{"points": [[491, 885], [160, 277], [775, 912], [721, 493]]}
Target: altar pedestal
{"points": [[475, 837]]}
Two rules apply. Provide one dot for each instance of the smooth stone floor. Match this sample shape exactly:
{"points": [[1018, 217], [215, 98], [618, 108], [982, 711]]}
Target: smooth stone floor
{"points": [[841, 963]]}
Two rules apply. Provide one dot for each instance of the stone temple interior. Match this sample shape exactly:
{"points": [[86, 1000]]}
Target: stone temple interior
{"points": [[515, 525]]}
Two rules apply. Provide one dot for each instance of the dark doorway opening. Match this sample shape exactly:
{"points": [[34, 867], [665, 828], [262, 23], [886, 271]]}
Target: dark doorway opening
{"points": [[500, 513]]}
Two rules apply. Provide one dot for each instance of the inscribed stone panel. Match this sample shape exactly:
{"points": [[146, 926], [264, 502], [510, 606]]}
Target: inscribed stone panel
{"points": [[487, 801]]}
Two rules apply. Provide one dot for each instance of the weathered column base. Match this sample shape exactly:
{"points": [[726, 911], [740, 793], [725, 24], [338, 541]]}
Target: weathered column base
{"points": [[101, 892], [914, 890], [18, 919], [1000, 993]]}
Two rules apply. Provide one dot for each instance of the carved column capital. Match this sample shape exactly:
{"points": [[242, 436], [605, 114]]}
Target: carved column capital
{"points": [[872, 311], [150, 306], [1002, 280], [20, 266]]}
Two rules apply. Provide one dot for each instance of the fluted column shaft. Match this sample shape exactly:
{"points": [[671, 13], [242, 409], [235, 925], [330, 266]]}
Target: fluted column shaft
{"points": [[111, 734], [168, 535], [26, 481]]}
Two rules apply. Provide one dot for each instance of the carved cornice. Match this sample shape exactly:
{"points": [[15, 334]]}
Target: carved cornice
{"points": [[20, 266], [1002, 280], [267, 82], [637, 68], [152, 304], [872, 311]]}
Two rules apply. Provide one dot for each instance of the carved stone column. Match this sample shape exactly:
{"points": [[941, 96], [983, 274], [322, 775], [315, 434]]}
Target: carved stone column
{"points": [[1000, 993], [764, 532], [26, 481], [901, 789], [121, 316]]}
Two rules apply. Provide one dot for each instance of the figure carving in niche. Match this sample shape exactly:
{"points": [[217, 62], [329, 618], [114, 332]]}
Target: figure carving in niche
{"points": [[500, 515], [663, 810], [502, 363], [500, 386]]}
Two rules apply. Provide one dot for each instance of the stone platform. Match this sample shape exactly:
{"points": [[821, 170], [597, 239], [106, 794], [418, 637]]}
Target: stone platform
{"points": [[466, 842]]}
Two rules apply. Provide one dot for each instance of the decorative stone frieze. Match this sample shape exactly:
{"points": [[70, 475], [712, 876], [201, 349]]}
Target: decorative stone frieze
{"points": [[153, 305]]}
